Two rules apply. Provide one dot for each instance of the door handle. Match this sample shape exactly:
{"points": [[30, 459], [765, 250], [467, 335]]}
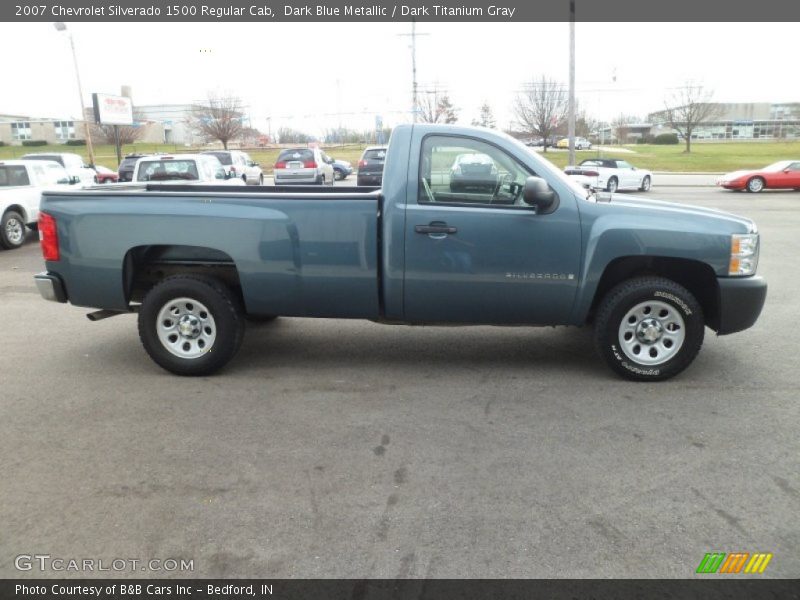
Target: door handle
{"points": [[439, 228]]}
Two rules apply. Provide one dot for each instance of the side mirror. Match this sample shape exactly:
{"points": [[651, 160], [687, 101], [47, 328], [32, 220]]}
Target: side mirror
{"points": [[537, 193]]}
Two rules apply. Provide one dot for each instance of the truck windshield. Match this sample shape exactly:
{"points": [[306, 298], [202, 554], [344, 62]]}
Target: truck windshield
{"points": [[165, 170], [11, 175]]}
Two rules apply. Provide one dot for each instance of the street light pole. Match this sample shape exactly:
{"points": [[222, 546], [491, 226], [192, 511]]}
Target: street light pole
{"points": [[90, 149], [571, 117]]}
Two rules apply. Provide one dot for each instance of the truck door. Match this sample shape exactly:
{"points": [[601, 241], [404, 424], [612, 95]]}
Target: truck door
{"points": [[475, 253]]}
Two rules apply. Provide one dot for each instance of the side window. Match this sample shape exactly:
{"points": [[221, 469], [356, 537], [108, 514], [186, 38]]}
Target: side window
{"points": [[794, 166], [40, 174], [623, 165], [455, 170]]}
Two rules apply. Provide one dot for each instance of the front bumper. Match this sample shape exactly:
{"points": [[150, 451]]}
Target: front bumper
{"points": [[740, 302], [50, 287]]}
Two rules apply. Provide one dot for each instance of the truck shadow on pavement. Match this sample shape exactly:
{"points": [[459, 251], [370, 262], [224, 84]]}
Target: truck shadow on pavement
{"points": [[289, 343]]}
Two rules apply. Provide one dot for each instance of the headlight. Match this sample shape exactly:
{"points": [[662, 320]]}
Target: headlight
{"points": [[744, 255]]}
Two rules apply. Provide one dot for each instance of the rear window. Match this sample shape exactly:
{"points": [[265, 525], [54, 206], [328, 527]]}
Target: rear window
{"points": [[11, 175], [166, 170], [379, 154], [300, 154], [224, 157]]}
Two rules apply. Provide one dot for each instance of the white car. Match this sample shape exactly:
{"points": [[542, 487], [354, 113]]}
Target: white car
{"points": [[239, 164], [73, 163], [303, 166], [610, 174], [182, 169], [21, 186]]}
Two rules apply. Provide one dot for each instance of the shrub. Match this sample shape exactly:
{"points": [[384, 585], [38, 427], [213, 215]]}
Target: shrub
{"points": [[666, 138], [34, 142], [2, 143], [75, 143]]}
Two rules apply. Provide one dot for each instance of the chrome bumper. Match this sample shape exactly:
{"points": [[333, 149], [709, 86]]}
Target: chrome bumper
{"points": [[50, 287]]}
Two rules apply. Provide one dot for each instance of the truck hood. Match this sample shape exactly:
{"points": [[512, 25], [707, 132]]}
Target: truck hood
{"points": [[655, 208]]}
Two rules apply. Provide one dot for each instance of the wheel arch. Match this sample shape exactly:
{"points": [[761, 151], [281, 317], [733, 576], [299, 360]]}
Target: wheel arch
{"points": [[145, 266], [696, 276], [19, 209]]}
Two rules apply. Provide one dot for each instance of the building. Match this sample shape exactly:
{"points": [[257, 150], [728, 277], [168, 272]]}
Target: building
{"points": [[742, 121], [175, 121], [15, 129]]}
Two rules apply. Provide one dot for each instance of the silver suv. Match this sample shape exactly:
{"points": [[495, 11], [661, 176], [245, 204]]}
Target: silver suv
{"points": [[308, 166]]}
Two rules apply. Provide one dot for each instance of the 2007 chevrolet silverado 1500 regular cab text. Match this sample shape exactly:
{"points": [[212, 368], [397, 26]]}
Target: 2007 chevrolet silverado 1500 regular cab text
{"points": [[531, 249]]}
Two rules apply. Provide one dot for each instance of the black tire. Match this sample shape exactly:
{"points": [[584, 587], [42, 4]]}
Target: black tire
{"points": [[223, 307], [261, 179], [645, 187], [640, 292], [756, 184], [609, 185], [12, 230], [338, 175]]}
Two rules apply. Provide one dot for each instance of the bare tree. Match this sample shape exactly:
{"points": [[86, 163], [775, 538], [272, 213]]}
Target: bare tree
{"points": [[128, 134], [486, 118], [539, 109], [689, 107], [219, 119], [437, 109], [287, 135]]}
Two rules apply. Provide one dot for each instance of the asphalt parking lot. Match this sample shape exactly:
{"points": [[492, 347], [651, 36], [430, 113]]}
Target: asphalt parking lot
{"points": [[331, 448]]}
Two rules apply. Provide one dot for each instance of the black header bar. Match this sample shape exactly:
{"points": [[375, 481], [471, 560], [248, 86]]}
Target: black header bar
{"points": [[495, 11]]}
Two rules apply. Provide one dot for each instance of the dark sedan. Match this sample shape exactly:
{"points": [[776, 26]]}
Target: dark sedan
{"points": [[370, 167]]}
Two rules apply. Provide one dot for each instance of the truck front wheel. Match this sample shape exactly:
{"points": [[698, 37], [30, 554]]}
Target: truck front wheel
{"points": [[191, 325], [649, 328]]}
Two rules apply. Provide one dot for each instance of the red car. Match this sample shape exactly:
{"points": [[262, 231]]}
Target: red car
{"points": [[105, 175], [780, 175]]}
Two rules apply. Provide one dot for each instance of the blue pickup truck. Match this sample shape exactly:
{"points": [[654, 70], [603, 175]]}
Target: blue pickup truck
{"points": [[516, 242]]}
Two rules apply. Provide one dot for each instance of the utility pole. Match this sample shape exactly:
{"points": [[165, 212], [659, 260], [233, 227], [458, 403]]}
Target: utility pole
{"points": [[414, 99], [60, 26], [571, 116]]}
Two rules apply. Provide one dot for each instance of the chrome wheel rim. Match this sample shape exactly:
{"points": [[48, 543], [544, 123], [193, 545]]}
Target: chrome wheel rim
{"points": [[652, 333], [612, 185], [15, 231], [756, 185], [646, 184], [186, 328]]}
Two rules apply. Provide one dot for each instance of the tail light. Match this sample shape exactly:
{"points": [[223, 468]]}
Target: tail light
{"points": [[280, 164], [309, 164], [362, 163], [48, 237], [591, 173], [233, 170]]}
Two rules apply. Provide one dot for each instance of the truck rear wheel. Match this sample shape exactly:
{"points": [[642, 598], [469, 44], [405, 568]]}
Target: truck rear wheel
{"points": [[191, 325], [649, 328]]}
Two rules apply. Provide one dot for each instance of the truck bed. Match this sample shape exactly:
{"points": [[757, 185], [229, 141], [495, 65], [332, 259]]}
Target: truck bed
{"points": [[296, 251]]}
